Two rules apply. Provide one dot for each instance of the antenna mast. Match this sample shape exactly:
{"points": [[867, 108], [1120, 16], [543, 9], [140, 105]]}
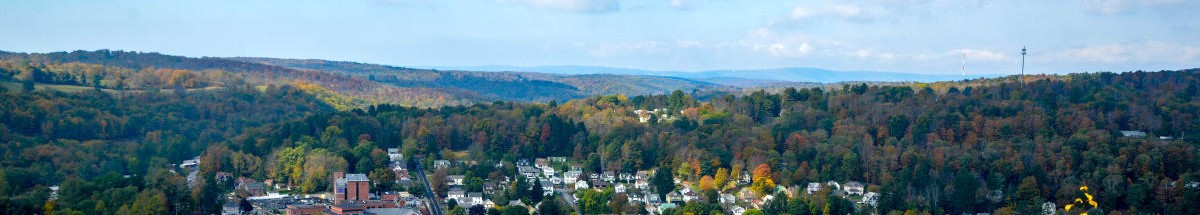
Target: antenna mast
{"points": [[1022, 65], [964, 65]]}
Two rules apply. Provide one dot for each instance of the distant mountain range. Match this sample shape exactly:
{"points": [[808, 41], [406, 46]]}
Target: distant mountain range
{"points": [[742, 78], [357, 84]]}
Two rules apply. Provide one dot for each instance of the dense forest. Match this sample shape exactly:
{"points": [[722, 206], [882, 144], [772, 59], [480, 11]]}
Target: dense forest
{"points": [[991, 145], [108, 132]]}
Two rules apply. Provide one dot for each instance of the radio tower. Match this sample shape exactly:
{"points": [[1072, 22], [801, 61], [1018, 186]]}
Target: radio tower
{"points": [[1022, 65], [964, 66]]}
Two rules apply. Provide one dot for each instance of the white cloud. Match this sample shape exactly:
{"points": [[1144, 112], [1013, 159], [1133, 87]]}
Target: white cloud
{"points": [[678, 4], [978, 54], [1124, 6], [573, 6], [1143, 52], [835, 10]]}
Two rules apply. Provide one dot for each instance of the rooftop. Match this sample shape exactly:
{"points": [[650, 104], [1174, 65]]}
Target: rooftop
{"points": [[356, 177]]}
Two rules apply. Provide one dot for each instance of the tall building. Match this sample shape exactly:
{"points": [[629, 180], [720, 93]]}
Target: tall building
{"points": [[350, 187]]}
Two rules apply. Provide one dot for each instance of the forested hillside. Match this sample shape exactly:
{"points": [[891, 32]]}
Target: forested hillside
{"points": [[505, 86], [113, 153], [108, 127], [1002, 145]]}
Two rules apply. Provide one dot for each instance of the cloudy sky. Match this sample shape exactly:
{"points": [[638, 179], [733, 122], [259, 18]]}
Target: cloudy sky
{"points": [[919, 36]]}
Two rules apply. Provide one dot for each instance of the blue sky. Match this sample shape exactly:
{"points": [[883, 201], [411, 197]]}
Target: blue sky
{"points": [[919, 36]]}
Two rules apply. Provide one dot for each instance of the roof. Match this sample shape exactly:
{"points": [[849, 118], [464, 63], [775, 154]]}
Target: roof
{"points": [[356, 177], [854, 184]]}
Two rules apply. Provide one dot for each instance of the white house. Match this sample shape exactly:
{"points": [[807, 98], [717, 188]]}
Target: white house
{"points": [[871, 198], [528, 171], [394, 155], [625, 176], [620, 188], [641, 184], [1133, 134], [690, 196], [548, 171], [813, 187], [737, 210], [571, 176], [455, 180], [547, 188], [854, 188], [581, 184], [458, 195], [473, 198], [441, 164]]}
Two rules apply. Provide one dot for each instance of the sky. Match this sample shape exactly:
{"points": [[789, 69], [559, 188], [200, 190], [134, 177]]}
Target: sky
{"points": [[915, 36]]}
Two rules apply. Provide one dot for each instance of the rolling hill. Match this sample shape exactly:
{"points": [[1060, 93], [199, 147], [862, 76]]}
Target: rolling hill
{"points": [[741, 77]]}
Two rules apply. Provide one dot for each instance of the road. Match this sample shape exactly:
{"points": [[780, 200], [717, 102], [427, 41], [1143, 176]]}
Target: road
{"points": [[430, 197], [570, 200]]}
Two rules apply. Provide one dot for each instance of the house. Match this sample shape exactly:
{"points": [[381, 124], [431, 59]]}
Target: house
{"points": [[458, 195], [813, 187], [557, 159], [643, 115], [455, 180], [547, 188], [251, 186], [652, 198], [642, 175], [737, 210], [473, 198], [620, 188], [635, 197], [1133, 134], [609, 176], [625, 176], [641, 184], [871, 198], [441, 164], [548, 171], [727, 198], [854, 188], [674, 197], [489, 204], [833, 185], [541, 163], [394, 155], [689, 195], [556, 180], [523, 162], [192, 164], [581, 184], [571, 176], [594, 175], [745, 178], [528, 171], [599, 184], [665, 206]]}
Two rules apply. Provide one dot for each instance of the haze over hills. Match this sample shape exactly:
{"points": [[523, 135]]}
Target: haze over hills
{"points": [[738, 77], [357, 83]]}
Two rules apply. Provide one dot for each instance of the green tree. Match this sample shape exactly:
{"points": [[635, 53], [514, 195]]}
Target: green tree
{"points": [[1029, 197], [664, 182]]}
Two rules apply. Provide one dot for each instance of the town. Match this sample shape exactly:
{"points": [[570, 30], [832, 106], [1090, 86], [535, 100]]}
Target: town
{"points": [[549, 185]]}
